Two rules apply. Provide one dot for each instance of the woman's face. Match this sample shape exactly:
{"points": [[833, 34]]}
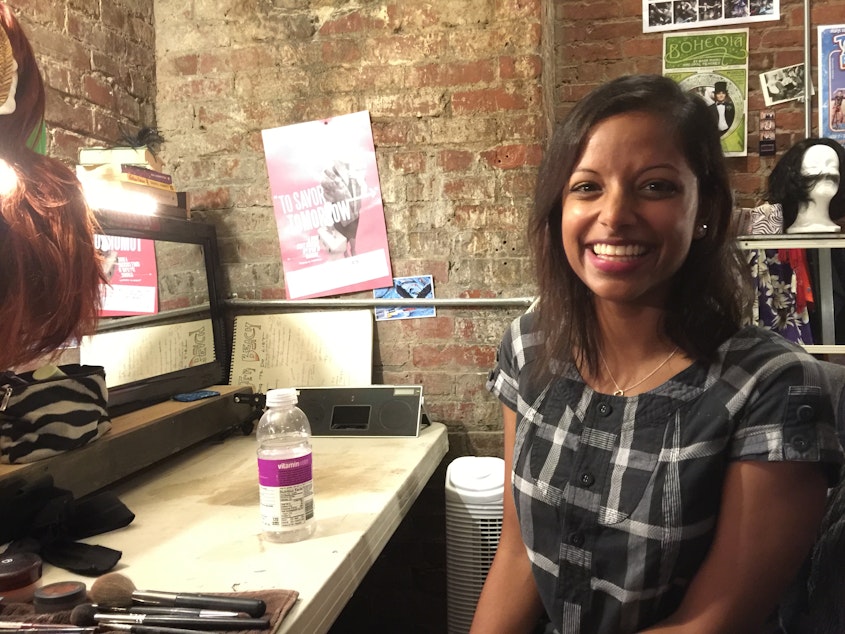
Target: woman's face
{"points": [[629, 210]]}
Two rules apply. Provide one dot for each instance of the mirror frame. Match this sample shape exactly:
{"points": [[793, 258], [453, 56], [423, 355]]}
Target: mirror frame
{"points": [[137, 394]]}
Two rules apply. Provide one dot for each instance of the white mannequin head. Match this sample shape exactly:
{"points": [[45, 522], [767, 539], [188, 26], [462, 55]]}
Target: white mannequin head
{"points": [[821, 163]]}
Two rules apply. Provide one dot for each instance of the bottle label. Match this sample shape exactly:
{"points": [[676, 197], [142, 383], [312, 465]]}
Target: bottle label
{"points": [[286, 492]]}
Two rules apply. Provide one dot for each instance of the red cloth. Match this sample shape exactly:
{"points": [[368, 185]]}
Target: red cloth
{"points": [[797, 259]]}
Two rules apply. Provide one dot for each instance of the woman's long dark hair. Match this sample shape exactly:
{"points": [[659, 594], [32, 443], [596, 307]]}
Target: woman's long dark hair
{"points": [[789, 187], [50, 282], [710, 292]]}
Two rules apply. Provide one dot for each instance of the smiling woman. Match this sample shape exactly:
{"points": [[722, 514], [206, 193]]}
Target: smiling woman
{"points": [[653, 440]]}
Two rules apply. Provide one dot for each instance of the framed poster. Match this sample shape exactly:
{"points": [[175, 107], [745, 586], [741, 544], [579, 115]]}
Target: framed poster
{"points": [[832, 82], [714, 66]]}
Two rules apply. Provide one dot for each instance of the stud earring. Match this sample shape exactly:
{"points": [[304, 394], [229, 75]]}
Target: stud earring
{"points": [[700, 231]]}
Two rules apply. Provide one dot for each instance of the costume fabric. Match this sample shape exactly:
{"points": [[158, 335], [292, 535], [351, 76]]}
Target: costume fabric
{"points": [[784, 292], [618, 497]]}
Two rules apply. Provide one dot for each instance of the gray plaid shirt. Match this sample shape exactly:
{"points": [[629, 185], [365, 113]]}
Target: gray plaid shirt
{"points": [[618, 497]]}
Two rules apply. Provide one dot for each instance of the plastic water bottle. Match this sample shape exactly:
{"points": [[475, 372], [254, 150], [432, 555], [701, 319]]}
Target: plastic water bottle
{"points": [[285, 480]]}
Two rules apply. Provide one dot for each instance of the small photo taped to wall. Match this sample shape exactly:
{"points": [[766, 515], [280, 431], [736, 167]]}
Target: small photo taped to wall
{"points": [[780, 85]]}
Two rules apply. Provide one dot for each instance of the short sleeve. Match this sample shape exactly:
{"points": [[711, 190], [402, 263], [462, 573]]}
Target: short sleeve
{"points": [[503, 380], [791, 415]]}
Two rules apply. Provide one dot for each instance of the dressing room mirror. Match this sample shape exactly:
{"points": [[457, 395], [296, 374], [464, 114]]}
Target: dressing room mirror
{"points": [[161, 331]]}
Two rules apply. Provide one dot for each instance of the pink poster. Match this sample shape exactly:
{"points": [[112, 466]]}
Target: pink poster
{"points": [[328, 208], [130, 267]]}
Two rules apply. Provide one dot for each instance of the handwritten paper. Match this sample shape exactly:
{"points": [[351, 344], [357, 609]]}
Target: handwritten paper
{"points": [[141, 353], [308, 349]]}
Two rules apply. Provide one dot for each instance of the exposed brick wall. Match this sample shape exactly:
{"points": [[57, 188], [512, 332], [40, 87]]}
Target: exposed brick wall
{"points": [[454, 95], [97, 59]]}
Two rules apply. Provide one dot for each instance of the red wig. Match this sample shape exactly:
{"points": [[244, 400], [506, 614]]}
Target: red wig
{"points": [[51, 274]]}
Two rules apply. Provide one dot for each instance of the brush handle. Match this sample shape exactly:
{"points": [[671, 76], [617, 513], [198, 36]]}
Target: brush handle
{"points": [[253, 607], [146, 629], [219, 624]]}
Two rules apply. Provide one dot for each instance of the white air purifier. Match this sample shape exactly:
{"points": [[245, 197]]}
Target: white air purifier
{"points": [[474, 489]]}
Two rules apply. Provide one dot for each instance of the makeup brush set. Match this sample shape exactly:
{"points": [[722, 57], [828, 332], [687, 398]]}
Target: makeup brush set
{"points": [[117, 605]]}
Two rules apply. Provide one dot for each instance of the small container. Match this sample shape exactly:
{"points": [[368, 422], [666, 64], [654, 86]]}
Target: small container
{"points": [[59, 596], [20, 576]]}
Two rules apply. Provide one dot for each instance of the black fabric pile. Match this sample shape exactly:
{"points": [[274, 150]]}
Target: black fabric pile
{"points": [[41, 518]]}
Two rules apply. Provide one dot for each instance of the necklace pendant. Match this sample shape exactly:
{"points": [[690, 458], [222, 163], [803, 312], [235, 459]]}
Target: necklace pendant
{"points": [[619, 393]]}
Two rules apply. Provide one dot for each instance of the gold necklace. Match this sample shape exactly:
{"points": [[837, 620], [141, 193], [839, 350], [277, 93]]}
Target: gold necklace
{"points": [[621, 391]]}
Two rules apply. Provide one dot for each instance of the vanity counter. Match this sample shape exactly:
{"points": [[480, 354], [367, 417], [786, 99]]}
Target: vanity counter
{"points": [[197, 524]]}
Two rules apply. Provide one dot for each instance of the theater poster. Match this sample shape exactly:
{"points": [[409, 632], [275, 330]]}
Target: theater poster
{"points": [[832, 82], [129, 265], [328, 207], [714, 66]]}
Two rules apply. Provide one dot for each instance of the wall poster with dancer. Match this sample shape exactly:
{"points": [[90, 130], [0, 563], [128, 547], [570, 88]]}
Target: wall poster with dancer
{"points": [[714, 66], [832, 82], [328, 207]]}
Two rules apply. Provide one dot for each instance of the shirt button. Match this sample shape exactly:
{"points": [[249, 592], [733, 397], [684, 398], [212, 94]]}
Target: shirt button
{"points": [[799, 442], [805, 413], [587, 479], [605, 409], [576, 539]]}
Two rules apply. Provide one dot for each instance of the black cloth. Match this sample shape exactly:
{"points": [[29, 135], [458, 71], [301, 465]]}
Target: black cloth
{"points": [[41, 518]]}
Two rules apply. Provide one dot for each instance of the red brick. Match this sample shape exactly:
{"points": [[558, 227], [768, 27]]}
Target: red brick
{"points": [[352, 22], [340, 52], [453, 355], [451, 74], [524, 67], [455, 160], [489, 100], [513, 156]]}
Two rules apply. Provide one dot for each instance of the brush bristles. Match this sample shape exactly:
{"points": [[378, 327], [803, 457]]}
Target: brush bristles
{"points": [[112, 590], [83, 615]]}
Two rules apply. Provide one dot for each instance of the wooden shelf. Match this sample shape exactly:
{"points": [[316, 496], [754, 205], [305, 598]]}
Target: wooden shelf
{"points": [[135, 441], [793, 241]]}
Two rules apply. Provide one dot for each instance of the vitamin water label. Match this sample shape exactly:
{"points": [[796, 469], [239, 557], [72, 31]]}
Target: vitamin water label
{"points": [[286, 492]]}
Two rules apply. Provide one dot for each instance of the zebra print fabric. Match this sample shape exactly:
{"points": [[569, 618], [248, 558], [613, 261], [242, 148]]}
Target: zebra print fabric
{"points": [[767, 219], [39, 419]]}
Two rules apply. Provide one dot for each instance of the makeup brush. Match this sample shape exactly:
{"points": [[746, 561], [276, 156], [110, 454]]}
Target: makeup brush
{"points": [[159, 609], [44, 628], [116, 590], [86, 614], [147, 629]]}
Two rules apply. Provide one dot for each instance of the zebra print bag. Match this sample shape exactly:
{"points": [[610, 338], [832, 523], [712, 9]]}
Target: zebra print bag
{"points": [[39, 419]]}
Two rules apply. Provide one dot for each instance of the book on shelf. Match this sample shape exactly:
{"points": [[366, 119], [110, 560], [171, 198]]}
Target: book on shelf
{"points": [[128, 155], [163, 195], [127, 174]]}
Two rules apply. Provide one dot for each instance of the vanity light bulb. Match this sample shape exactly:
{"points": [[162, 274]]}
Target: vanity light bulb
{"points": [[101, 194], [8, 178]]}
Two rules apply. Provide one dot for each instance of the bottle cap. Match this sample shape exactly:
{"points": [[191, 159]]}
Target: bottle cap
{"points": [[281, 396]]}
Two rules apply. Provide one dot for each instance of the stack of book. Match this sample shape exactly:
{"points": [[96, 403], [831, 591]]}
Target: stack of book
{"points": [[134, 170]]}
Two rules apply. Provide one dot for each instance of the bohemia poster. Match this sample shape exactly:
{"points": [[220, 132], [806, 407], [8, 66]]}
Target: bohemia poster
{"points": [[328, 207]]}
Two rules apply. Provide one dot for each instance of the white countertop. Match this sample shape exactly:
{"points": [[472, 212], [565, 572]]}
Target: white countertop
{"points": [[197, 524]]}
